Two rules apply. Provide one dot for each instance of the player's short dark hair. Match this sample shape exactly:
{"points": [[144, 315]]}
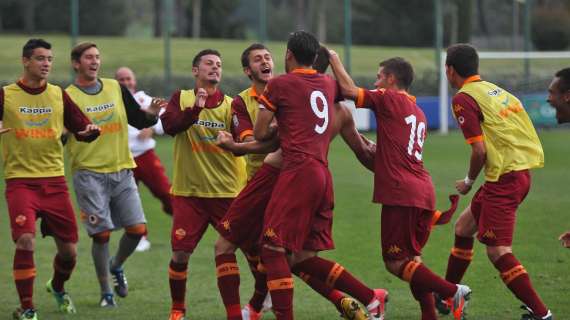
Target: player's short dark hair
{"points": [[401, 69], [245, 53], [464, 59], [564, 82], [322, 61], [205, 52], [304, 47], [78, 50], [32, 44]]}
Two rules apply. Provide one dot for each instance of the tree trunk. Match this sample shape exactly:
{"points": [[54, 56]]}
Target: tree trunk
{"points": [[196, 18], [157, 20], [464, 11], [300, 14], [28, 12], [481, 17], [181, 18], [322, 21]]}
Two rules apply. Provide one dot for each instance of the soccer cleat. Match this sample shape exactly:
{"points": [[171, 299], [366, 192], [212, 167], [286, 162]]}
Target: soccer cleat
{"points": [[107, 301], [352, 310], [267, 303], [441, 305], [458, 303], [144, 245], [176, 315], [64, 302], [531, 316], [248, 313], [377, 308], [28, 314], [119, 280]]}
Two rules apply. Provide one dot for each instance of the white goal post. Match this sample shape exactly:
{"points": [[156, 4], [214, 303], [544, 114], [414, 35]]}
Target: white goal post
{"points": [[488, 55]]}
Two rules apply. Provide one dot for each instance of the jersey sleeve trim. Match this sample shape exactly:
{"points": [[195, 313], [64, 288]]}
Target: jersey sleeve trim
{"points": [[475, 139], [265, 102], [360, 98], [245, 134]]}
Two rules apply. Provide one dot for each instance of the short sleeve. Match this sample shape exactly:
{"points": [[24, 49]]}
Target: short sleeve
{"points": [[270, 97], [241, 125], [369, 99], [469, 117]]}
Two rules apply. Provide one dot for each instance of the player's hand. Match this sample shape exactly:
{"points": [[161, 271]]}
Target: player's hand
{"points": [[201, 96], [4, 130], [89, 130], [156, 104], [462, 187], [565, 239], [333, 55], [225, 140], [145, 133]]}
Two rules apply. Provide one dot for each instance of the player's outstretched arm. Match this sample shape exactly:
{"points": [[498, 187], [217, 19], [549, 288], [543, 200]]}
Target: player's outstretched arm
{"points": [[263, 128], [565, 239], [477, 162], [225, 141], [4, 130], [347, 86], [363, 149]]}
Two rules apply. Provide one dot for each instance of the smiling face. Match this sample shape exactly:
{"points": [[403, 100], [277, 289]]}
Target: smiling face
{"points": [[260, 67], [88, 65], [209, 69], [38, 65], [559, 100]]}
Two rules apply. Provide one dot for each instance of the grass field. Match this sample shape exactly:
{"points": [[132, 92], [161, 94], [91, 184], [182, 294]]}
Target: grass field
{"points": [[542, 217]]}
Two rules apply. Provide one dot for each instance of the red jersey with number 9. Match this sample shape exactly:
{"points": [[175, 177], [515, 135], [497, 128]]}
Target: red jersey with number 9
{"points": [[303, 103], [400, 178]]}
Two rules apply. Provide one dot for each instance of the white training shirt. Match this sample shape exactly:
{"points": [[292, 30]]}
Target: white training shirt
{"points": [[137, 145]]}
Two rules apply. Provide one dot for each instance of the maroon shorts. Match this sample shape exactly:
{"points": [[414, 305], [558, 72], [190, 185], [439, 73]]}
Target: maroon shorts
{"points": [[190, 219], [405, 231], [47, 198], [495, 204], [243, 223], [151, 172], [299, 214]]}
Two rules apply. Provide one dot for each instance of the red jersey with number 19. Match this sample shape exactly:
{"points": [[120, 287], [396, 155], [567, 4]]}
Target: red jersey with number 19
{"points": [[400, 178], [303, 102]]}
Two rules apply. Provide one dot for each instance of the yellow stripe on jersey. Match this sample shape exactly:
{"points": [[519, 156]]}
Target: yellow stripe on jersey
{"points": [[32, 149], [253, 161], [202, 169], [110, 152], [510, 138]]}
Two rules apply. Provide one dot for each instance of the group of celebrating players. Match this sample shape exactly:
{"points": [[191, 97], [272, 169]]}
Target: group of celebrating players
{"points": [[255, 168]]}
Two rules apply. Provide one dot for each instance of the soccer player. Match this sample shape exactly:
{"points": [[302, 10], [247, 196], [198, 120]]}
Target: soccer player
{"points": [[206, 178], [149, 169], [504, 143], [104, 185], [34, 114], [559, 99], [401, 183], [298, 218], [241, 226]]}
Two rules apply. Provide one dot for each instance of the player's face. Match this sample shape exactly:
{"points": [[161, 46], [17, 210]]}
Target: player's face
{"points": [[38, 65], [260, 66], [559, 100], [89, 63], [127, 78], [209, 69], [381, 79]]}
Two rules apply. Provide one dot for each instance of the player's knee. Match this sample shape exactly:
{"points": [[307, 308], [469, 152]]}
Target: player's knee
{"points": [[394, 266], [180, 256], [101, 237], [223, 246], [26, 242], [494, 253], [67, 252], [301, 256], [136, 231]]}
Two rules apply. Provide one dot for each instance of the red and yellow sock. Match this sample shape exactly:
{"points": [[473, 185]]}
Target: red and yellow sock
{"points": [[279, 282], [227, 272], [421, 277], [24, 275], [177, 274], [459, 259], [260, 284], [62, 270]]}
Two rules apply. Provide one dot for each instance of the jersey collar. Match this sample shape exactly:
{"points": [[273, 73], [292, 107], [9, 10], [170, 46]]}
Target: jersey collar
{"points": [[471, 79], [304, 71], [29, 90]]}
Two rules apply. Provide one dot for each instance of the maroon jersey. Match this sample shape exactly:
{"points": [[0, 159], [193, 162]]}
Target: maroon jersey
{"points": [[469, 116], [241, 126], [400, 178], [303, 102]]}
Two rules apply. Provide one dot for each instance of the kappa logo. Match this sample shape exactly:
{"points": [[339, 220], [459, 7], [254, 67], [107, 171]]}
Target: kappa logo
{"points": [[394, 249], [180, 233], [457, 108], [211, 124], [489, 234], [101, 114], [270, 233], [35, 116], [226, 225], [21, 220]]}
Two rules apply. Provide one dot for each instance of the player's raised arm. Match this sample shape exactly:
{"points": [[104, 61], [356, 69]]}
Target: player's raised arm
{"points": [[363, 149], [174, 120], [347, 87], [226, 141]]}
